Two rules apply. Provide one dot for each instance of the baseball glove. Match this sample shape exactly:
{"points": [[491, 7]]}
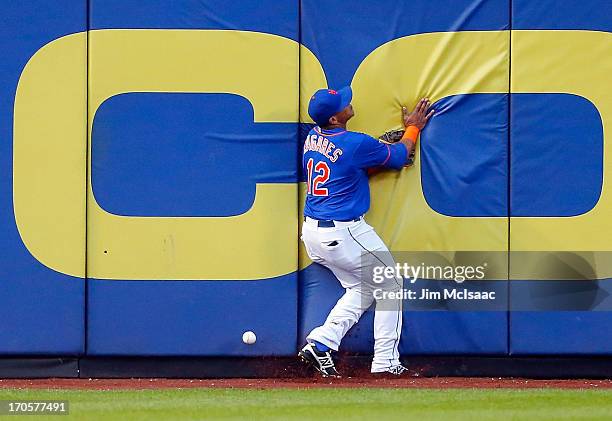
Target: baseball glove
{"points": [[394, 136]]}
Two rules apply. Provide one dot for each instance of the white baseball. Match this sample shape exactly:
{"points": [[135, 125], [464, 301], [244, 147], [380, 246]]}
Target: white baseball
{"points": [[249, 337]]}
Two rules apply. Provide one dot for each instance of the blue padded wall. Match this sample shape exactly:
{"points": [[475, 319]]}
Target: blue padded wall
{"points": [[568, 182], [188, 155], [206, 150], [41, 309], [465, 171], [569, 317], [451, 184]]}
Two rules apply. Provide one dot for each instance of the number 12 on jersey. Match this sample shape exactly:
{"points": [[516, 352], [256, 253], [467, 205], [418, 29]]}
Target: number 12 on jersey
{"points": [[322, 175]]}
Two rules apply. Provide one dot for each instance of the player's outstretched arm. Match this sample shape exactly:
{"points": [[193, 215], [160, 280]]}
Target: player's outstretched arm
{"points": [[414, 122]]}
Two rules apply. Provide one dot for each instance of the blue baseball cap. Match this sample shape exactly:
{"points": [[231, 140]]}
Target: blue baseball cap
{"points": [[327, 102]]}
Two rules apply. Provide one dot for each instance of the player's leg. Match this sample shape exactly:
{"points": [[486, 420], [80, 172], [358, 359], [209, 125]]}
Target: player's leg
{"points": [[388, 315], [387, 334], [335, 250], [343, 316]]}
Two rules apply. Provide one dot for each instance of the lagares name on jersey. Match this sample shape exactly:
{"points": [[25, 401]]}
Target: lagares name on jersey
{"points": [[322, 145]]}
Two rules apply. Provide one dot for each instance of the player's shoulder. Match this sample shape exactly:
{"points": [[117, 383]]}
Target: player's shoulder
{"points": [[362, 137], [364, 140]]}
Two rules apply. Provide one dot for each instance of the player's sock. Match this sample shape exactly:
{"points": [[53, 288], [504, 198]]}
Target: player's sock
{"points": [[320, 347]]}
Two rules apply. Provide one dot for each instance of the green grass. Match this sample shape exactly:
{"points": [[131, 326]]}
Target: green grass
{"points": [[327, 404]]}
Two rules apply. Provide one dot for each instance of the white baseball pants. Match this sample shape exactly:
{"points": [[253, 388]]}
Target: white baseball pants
{"points": [[347, 249]]}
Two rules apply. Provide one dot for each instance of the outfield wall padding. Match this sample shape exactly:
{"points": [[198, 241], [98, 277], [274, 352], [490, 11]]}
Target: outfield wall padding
{"points": [[192, 211], [152, 188], [455, 196], [560, 163], [43, 162]]}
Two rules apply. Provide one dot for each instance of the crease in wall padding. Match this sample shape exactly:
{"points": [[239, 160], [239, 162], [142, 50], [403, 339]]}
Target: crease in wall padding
{"points": [[464, 156], [342, 46], [458, 56]]}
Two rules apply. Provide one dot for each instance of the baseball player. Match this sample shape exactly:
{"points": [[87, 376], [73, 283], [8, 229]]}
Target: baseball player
{"points": [[335, 234]]}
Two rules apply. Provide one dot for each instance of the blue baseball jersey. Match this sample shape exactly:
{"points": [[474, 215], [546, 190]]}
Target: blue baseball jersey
{"points": [[336, 164]]}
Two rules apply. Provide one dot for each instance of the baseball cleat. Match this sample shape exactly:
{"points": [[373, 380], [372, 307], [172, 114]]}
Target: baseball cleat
{"points": [[394, 371], [321, 361]]}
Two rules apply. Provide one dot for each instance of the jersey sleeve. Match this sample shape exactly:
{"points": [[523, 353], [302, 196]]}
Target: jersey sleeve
{"points": [[372, 153]]}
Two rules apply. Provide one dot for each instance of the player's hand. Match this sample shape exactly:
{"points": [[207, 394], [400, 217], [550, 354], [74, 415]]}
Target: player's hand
{"points": [[420, 116]]}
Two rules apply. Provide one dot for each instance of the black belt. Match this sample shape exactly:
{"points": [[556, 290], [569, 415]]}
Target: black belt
{"points": [[322, 223]]}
